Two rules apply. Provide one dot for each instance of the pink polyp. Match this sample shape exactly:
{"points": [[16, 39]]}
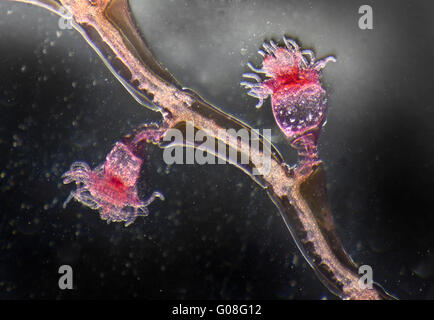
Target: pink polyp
{"points": [[298, 100], [111, 188]]}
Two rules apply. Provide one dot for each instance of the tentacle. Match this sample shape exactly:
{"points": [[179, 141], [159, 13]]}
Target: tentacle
{"points": [[79, 172], [83, 196], [154, 195], [291, 44], [70, 197], [133, 218], [320, 64], [304, 61], [252, 76], [310, 54], [250, 84], [87, 199], [260, 103], [268, 48], [80, 166], [142, 211], [254, 69], [77, 177], [254, 93], [273, 44]]}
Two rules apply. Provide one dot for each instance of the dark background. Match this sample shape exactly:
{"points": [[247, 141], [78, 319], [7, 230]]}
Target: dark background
{"points": [[217, 236]]}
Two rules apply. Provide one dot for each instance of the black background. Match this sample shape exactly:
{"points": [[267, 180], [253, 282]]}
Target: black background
{"points": [[217, 236]]}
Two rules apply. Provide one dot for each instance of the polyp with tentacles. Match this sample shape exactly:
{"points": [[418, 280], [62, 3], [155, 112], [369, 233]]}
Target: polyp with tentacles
{"points": [[111, 188], [298, 100]]}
